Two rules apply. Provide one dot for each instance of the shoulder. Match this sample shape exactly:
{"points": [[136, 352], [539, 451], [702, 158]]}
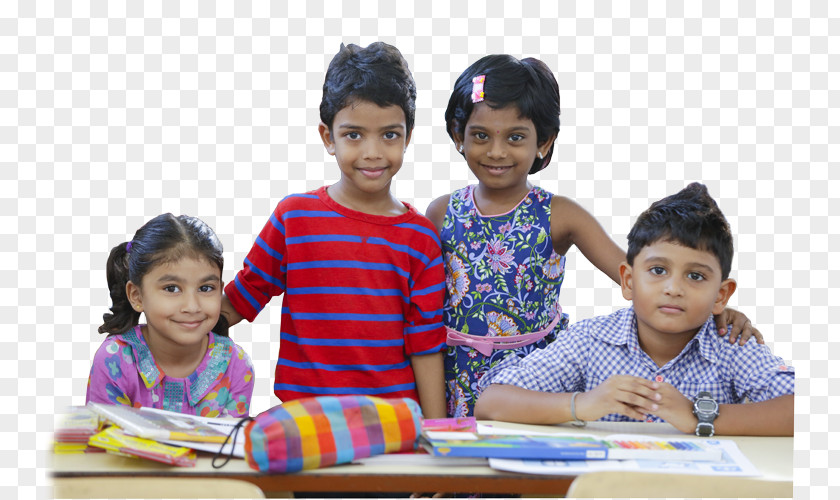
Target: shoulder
{"points": [[614, 328], [110, 346], [437, 210], [301, 201]]}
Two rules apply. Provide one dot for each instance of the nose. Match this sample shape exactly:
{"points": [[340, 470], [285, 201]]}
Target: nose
{"points": [[190, 303], [673, 287], [497, 149], [372, 150]]}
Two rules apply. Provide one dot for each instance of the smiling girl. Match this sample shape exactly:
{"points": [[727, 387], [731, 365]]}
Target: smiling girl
{"points": [[171, 271]]}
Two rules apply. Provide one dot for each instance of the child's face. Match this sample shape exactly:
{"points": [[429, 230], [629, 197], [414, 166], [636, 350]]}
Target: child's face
{"points": [[674, 288], [500, 146], [368, 143], [182, 301]]}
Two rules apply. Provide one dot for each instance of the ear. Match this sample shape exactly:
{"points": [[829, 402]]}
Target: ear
{"points": [[544, 147], [326, 138], [625, 271], [457, 138], [727, 288], [132, 291]]}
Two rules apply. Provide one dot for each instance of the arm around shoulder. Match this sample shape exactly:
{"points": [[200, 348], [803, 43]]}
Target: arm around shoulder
{"points": [[571, 225]]}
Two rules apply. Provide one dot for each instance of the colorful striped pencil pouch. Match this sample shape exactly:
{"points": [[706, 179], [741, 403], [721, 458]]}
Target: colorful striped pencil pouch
{"points": [[328, 430]]}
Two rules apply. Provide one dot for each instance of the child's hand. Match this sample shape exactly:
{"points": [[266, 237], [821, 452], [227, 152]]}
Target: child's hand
{"points": [[675, 408], [741, 325], [624, 394]]}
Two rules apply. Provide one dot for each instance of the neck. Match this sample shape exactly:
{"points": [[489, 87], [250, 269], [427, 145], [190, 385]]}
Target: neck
{"points": [[498, 201], [175, 360], [381, 203], [663, 347]]}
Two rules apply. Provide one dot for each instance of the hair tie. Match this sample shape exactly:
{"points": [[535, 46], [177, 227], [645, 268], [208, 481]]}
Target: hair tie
{"points": [[128, 247], [478, 89]]}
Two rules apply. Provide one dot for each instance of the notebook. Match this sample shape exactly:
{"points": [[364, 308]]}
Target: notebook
{"points": [[158, 424]]}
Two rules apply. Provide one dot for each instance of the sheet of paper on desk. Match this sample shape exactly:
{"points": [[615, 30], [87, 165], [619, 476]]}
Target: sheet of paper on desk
{"points": [[733, 463]]}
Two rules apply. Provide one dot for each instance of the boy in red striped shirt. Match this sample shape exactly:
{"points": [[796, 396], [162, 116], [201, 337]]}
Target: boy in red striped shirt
{"points": [[361, 273]]}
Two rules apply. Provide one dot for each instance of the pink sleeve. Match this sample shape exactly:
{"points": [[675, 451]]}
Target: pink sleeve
{"points": [[241, 373], [112, 375]]}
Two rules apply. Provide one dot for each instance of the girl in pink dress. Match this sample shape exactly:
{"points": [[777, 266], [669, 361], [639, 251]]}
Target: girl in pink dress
{"points": [[181, 359]]}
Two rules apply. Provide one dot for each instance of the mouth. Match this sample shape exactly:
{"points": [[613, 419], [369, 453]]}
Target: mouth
{"points": [[495, 169], [373, 173], [190, 325], [671, 309]]}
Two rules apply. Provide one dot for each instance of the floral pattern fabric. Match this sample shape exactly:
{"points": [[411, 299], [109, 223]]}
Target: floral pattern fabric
{"points": [[503, 278], [124, 372]]}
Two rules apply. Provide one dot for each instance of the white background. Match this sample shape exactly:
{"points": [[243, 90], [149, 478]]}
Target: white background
{"points": [[112, 112]]}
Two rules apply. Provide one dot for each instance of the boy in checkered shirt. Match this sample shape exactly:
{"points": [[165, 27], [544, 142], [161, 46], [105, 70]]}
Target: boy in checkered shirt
{"points": [[661, 358]]}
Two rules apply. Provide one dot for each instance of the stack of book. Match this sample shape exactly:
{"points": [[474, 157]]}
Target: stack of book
{"points": [[73, 430], [163, 436]]}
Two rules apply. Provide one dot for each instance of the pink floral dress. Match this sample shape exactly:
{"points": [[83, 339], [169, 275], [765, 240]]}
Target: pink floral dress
{"points": [[124, 372], [502, 279]]}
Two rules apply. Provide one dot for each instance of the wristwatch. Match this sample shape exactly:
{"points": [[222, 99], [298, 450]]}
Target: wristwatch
{"points": [[706, 409]]}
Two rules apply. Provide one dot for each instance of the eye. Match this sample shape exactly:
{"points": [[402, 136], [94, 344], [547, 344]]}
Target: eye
{"points": [[658, 271], [207, 288], [352, 135], [516, 138], [172, 288], [481, 136], [696, 276], [391, 135]]}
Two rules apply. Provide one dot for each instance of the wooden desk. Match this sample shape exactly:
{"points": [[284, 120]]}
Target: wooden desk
{"points": [[772, 456]]}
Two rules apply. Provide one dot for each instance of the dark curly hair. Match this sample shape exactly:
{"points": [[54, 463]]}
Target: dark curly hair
{"points": [[377, 73], [690, 218]]}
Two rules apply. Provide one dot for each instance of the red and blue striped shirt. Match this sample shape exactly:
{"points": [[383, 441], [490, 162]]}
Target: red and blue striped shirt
{"points": [[361, 294]]}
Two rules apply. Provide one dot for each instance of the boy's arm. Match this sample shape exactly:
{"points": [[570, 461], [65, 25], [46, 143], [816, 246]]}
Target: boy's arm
{"points": [[773, 417], [428, 375], [623, 394], [229, 312]]}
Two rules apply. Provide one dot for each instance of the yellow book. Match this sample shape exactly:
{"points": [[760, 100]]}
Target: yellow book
{"points": [[114, 440]]}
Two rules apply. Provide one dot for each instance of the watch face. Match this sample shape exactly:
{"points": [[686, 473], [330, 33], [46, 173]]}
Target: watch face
{"points": [[706, 405]]}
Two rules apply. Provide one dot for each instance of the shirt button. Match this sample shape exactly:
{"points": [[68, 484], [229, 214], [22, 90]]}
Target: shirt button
{"points": [[659, 378]]}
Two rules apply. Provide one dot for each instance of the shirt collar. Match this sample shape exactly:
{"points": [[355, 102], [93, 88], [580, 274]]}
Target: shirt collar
{"points": [[198, 384], [622, 330]]}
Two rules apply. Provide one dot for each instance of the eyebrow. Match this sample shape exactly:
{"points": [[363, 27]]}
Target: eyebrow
{"points": [[178, 279], [663, 260], [518, 128], [359, 127]]}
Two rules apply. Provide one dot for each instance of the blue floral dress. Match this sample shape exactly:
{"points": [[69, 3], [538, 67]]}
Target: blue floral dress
{"points": [[502, 278]]}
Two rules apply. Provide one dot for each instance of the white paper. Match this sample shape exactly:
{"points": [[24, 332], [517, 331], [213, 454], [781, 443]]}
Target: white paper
{"points": [[733, 463]]}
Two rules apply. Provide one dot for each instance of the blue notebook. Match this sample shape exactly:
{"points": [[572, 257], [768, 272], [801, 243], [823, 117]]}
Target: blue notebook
{"points": [[548, 447]]}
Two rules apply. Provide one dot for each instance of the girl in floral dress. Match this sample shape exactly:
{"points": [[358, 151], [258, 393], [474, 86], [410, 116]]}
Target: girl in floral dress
{"points": [[504, 239], [181, 359]]}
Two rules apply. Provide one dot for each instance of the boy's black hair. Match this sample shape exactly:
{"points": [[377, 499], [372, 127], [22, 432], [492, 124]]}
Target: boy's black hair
{"points": [[527, 84], [377, 73], [162, 240], [690, 218]]}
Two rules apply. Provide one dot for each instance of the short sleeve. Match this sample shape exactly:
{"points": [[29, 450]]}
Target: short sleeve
{"points": [[263, 273], [424, 332], [113, 377], [759, 375], [241, 372]]}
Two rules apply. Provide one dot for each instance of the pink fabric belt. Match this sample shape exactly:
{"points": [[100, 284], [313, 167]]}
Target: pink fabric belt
{"points": [[486, 345]]}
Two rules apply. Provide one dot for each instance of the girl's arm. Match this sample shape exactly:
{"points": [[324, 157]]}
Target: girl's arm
{"points": [[241, 373], [437, 211], [428, 375], [571, 225]]}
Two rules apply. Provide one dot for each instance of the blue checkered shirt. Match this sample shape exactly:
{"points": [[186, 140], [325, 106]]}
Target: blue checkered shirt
{"points": [[592, 350]]}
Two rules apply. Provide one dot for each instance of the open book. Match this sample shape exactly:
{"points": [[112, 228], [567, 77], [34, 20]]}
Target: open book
{"points": [[158, 424]]}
